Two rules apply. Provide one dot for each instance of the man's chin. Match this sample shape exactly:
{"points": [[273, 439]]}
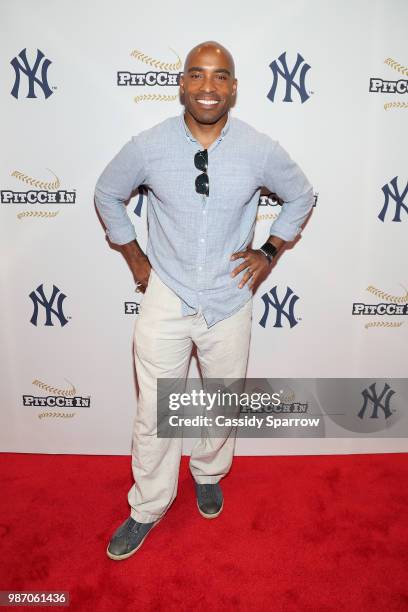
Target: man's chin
{"points": [[206, 117], [208, 120]]}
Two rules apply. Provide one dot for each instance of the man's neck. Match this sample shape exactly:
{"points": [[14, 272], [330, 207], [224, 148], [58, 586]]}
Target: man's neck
{"points": [[205, 133]]}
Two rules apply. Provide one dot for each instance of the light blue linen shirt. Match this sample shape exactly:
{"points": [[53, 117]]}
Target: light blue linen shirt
{"points": [[191, 237]]}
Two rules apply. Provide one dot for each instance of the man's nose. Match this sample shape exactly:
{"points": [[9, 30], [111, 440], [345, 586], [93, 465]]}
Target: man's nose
{"points": [[207, 83]]}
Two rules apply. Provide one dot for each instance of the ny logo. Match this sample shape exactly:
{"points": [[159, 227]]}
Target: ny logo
{"points": [[279, 307], [289, 77], [39, 298], [393, 193], [377, 400], [24, 67]]}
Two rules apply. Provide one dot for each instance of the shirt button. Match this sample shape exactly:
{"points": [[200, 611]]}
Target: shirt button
{"points": [[201, 239], [200, 293], [200, 267], [204, 212]]}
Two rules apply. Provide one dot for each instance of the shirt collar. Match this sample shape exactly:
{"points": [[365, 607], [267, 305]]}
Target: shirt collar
{"points": [[191, 137]]}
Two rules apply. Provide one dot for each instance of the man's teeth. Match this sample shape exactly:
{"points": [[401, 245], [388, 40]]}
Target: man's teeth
{"points": [[208, 102]]}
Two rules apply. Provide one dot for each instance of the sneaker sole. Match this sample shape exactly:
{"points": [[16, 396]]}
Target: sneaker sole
{"points": [[132, 552], [210, 516]]}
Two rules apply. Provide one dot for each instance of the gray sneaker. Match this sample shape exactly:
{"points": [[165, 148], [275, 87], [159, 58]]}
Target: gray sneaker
{"points": [[128, 538], [210, 500]]}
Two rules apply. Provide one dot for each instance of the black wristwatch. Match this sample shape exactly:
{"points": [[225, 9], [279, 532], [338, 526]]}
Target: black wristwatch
{"points": [[268, 250]]}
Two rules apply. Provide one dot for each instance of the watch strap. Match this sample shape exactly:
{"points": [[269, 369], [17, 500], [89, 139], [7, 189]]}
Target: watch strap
{"points": [[269, 250]]}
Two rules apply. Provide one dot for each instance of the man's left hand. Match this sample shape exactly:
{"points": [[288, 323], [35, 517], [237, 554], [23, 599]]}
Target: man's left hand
{"points": [[257, 264]]}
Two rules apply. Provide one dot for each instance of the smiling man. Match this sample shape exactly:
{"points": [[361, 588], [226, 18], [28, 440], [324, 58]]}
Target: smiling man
{"points": [[203, 170]]}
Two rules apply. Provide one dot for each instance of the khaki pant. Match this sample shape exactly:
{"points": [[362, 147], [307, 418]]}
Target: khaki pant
{"points": [[163, 344]]}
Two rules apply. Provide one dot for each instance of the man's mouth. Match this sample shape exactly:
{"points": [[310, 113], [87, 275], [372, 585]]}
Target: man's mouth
{"points": [[207, 103]]}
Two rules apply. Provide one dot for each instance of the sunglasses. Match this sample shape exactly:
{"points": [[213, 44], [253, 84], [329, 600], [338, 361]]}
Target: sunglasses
{"points": [[202, 182]]}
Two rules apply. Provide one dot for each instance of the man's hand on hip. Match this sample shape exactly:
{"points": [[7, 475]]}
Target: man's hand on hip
{"points": [[138, 263], [141, 271], [256, 263]]}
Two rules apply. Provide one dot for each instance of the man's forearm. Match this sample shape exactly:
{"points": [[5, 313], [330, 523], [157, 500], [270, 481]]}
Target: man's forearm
{"points": [[133, 255]]}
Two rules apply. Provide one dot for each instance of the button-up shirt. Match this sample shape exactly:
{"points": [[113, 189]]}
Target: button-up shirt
{"points": [[191, 237]]}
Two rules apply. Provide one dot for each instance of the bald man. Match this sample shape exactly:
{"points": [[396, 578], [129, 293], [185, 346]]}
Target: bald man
{"points": [[203, 170]]}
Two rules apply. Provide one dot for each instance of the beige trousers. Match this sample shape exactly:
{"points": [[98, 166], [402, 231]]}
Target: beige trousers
{"points": [[162, 347]]}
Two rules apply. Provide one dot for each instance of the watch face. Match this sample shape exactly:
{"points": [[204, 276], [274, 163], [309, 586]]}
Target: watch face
{"points": [[269, 248]]}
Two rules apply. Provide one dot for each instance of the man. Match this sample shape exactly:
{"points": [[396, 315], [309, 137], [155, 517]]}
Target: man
{"points": [[203, 170]]}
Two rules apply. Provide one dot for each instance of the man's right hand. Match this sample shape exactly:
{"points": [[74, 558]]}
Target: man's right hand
{"points": [[141, 272], [138, 263]]}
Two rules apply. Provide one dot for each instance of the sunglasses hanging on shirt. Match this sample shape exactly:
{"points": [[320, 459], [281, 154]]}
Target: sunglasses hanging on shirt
{"points": [[202, 182]]}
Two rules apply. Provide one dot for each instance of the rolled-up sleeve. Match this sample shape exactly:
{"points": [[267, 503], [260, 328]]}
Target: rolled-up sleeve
{"points": [[284, 177], [120, 178]]}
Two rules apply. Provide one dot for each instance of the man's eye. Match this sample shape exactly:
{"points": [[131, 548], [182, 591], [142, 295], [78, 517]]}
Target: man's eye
{"points": [[195, 75], [222, 77]]}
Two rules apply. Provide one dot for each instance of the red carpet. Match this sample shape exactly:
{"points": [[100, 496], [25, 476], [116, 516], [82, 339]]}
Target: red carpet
{"points": [[320, 533]]}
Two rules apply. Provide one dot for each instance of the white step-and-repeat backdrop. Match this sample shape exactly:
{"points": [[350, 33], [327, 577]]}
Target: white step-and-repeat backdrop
{"points": [[328, 79]]}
